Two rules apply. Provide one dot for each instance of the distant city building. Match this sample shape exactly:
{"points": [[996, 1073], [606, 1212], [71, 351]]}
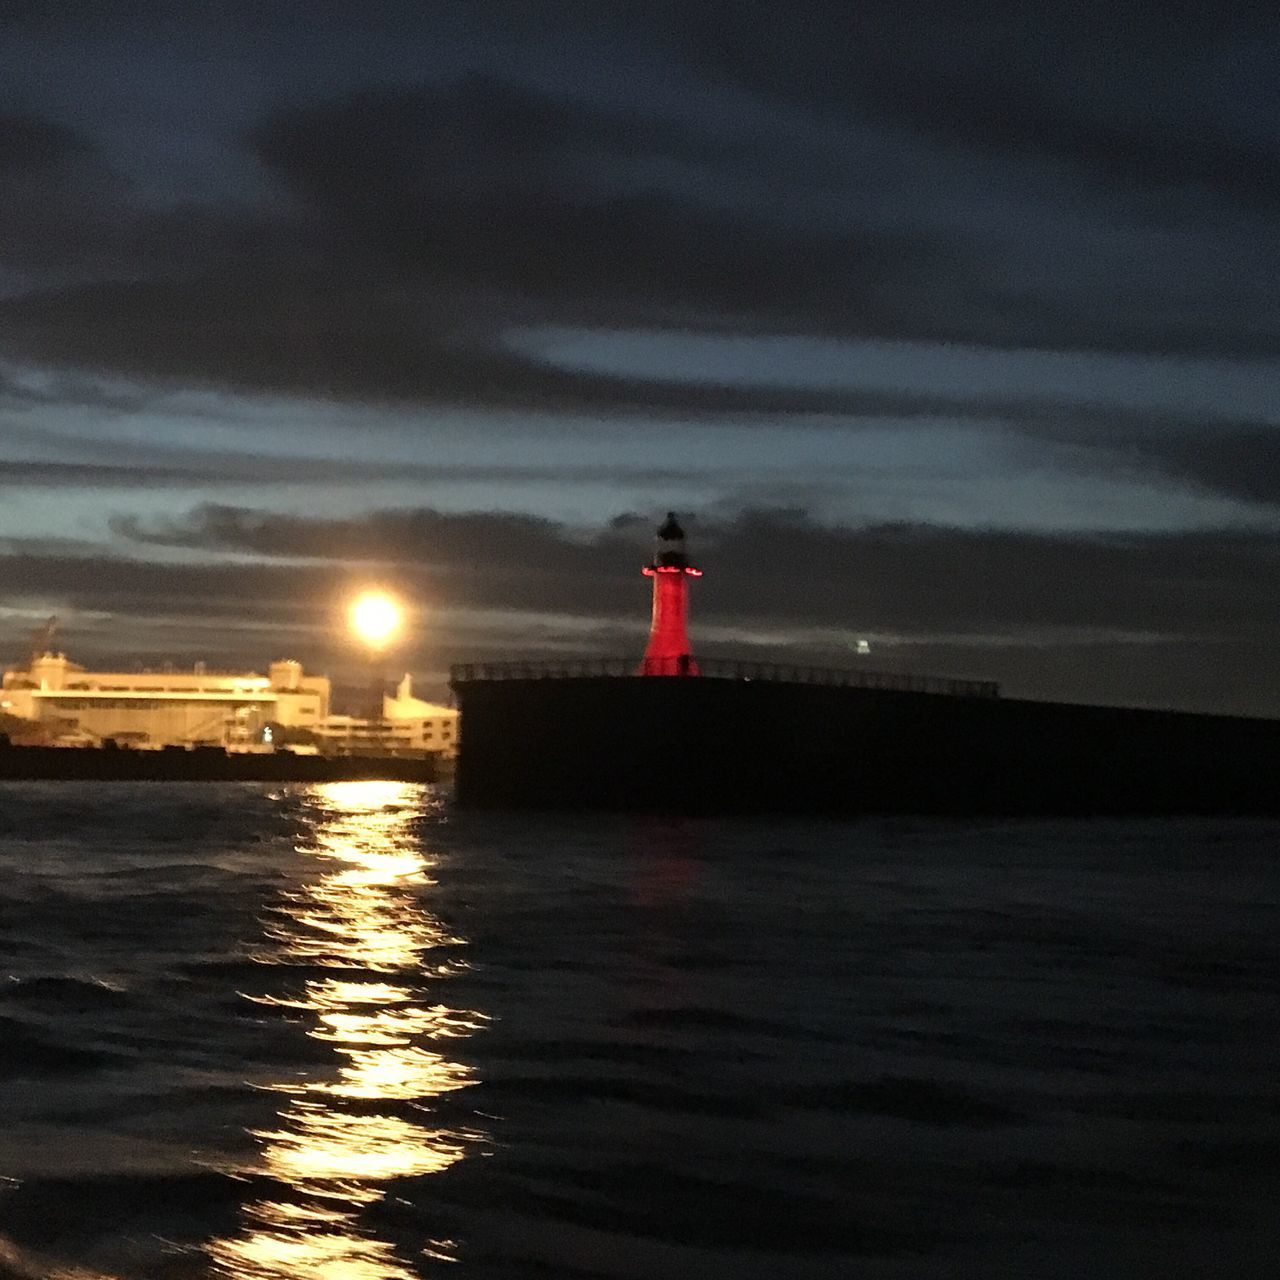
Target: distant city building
{"points": [[408, 726], [160, 708], [61, 702]]}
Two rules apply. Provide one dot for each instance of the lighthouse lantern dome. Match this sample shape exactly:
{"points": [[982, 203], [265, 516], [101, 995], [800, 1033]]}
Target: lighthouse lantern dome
{"points": [[669, 551]]}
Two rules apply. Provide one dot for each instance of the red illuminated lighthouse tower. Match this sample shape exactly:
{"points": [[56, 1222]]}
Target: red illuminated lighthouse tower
{"points": [[668, 653]]}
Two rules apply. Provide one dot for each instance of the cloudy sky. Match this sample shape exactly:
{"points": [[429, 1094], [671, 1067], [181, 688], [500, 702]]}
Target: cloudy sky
{"points": [[951, 327]]}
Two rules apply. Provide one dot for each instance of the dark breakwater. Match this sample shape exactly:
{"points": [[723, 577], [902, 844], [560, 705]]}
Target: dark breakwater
{"points": [[727, 746], [202, 764]]}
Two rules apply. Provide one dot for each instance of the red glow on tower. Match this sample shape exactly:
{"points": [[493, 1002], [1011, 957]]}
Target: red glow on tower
{"points": [[669, 652]]}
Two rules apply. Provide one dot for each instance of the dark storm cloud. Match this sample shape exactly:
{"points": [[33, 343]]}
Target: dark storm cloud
{"points": [[406, 536], [347, 338], [1120, 89], [329, 20], [67, 213], [550, 199], [783, 568], [425, 222], [188, 592], [58, 200], [428, 220], [142, 467], [407, 228], [56, 475], [28, 142], [1234, 458], [1237, 460], [386, 155]]}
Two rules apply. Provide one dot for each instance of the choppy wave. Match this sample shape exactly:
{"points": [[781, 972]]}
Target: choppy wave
{"points": [[255, 1032]]}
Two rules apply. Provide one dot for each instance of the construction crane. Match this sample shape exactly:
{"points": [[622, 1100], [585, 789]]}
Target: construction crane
{"points": [[42, 639]]}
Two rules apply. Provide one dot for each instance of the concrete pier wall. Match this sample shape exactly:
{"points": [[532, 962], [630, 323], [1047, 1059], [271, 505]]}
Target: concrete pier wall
{"points": [[714, 746], [202, 765]]}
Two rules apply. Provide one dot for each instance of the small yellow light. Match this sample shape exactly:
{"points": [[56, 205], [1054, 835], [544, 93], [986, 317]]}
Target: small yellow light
{"points": [[375, 618]]}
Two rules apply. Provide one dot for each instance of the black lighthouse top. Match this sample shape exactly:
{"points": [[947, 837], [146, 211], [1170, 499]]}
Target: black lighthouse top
{"points": [[669, 552]]}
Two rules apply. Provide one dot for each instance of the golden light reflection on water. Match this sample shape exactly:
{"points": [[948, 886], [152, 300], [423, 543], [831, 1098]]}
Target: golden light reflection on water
{"points": [[333, 1148]]}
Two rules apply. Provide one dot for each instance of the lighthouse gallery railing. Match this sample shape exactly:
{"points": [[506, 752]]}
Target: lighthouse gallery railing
{"points": [[723, 669]]}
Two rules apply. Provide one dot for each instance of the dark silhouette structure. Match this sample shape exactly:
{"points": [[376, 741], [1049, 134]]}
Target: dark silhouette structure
{"points": [[202, 764], [729, 743]]}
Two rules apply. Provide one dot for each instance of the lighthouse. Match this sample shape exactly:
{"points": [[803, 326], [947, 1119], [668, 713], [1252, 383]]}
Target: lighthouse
{"points": [[668, 652]]}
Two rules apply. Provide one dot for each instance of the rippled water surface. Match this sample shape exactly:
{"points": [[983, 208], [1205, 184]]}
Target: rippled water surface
{"points": [[345, 1032]]}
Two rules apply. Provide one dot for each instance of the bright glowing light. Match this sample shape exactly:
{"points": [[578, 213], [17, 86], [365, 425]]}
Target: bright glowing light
{"points": [[375, 618], [347, 1134]]}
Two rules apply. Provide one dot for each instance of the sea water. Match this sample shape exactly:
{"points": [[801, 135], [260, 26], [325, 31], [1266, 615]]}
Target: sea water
{"points": [[346, 1031]]}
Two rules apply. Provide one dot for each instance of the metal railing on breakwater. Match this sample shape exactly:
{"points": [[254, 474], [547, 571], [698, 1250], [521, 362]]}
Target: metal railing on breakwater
{"points": [[721, 669]]}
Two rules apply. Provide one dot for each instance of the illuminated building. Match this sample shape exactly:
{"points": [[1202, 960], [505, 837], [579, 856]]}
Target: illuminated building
{"points": [[668, 652], [72, 705], [409, 726]]}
